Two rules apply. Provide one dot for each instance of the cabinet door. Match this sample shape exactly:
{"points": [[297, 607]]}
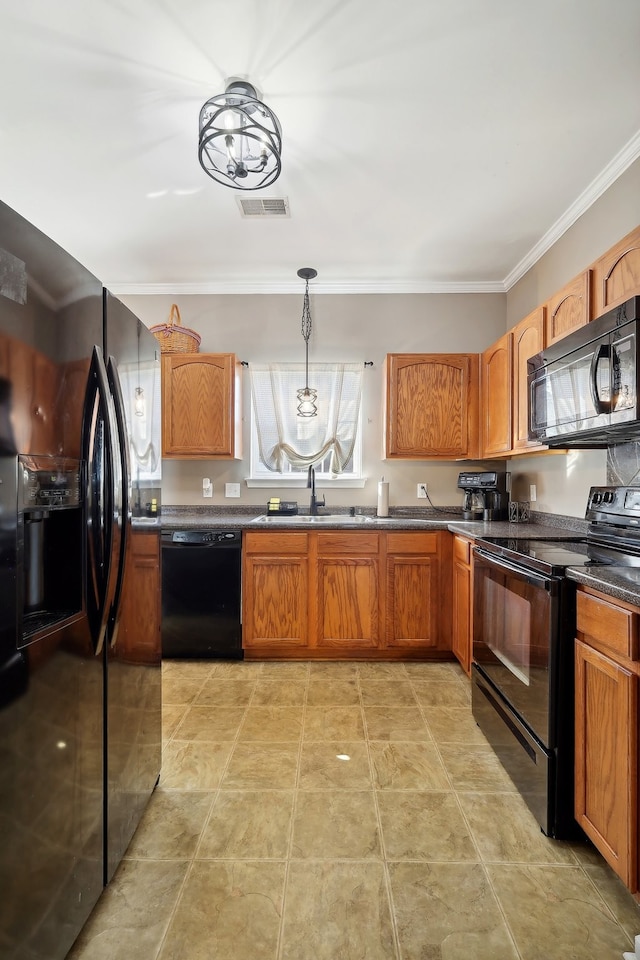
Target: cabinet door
{"points": [[462, 626], [275, 607], [528, 336], [412, 591], [606, 766], [139, 634], [569, 308], [617, 274], [431, 406], [275, 602], [495, 391], [199, 406], [346, 602]]}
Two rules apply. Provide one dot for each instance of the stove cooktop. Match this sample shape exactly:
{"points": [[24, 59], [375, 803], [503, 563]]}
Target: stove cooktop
{"points": [[554, 556], [550, 556]]}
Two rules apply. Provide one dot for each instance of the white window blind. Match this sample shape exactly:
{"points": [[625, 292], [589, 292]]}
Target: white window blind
{"points": [[286, 440]]}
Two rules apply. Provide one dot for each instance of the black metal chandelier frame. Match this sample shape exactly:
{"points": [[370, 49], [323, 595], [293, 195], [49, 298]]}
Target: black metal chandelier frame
{"points": [[240, 139]]}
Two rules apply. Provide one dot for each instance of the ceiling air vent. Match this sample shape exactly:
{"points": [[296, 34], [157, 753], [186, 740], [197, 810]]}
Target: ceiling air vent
{"points": [[267, 207]]}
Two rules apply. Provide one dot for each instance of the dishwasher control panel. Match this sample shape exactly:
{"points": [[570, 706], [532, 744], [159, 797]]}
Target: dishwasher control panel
{"points": [[194, 537]]}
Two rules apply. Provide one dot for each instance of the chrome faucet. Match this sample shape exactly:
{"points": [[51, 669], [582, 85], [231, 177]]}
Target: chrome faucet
{"points": [[314, 503]]}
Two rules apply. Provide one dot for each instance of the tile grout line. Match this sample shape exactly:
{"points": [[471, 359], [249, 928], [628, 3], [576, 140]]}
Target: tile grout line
{"points": [[294, 807], [385, 865]]}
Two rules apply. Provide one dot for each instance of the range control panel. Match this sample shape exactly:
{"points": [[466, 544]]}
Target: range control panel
{"points": [[612, 507]]}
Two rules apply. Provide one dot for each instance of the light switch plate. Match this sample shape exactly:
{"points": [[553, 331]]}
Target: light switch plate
{"points": [[232, 489]]}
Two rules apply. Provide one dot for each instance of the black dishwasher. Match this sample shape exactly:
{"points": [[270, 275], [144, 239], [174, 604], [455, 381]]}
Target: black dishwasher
{"points": [[201, 590]]}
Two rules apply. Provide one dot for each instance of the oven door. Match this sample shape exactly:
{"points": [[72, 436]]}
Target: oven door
{"points": [[515, 627]]}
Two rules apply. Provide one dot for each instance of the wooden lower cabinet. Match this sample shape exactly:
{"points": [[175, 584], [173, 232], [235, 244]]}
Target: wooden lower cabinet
{"points": [[606, 729], [139, 633], [346, 595], [462, 607], [415, 591], [275, 592]]}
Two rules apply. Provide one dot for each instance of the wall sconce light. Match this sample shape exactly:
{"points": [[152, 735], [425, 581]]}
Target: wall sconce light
{"points": [[307, 397], [240, 142]]}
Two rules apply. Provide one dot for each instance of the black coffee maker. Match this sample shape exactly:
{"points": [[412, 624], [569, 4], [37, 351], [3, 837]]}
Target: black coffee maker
{"points": [[485, 495]]}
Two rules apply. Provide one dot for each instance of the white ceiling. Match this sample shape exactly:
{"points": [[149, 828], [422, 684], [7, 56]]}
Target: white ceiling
{"points": [[428, 145]]}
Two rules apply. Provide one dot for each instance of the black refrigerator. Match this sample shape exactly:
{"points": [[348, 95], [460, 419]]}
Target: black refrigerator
{"points": [[80, 735]]}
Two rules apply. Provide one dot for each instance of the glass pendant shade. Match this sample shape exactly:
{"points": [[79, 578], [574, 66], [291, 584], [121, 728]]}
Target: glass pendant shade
{"points": [[307, 402], [240, 139]]}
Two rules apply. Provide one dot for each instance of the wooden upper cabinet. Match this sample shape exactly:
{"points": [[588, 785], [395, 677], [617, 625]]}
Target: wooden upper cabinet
{"points": [[616, 275], [495, 391], [431, 406], [200, 406], [569, 308], [528, 339]]}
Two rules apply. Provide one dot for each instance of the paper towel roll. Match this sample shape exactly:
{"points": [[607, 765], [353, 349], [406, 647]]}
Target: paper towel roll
{"points": [[383, 498]]}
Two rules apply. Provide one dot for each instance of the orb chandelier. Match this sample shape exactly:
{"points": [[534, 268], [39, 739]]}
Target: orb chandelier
{"points": [[307, 396], [240, 140]]}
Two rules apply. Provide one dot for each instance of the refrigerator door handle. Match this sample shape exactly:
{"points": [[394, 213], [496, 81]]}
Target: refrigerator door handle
{"points": [[100, 456], [122, 499]]}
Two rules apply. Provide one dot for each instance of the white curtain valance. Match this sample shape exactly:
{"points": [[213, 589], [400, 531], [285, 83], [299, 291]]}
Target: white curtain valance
{"points": [[283, 436]]}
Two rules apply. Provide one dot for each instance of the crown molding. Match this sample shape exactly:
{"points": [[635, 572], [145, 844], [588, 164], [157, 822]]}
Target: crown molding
{"points": [[233, 287], [621, 162]]}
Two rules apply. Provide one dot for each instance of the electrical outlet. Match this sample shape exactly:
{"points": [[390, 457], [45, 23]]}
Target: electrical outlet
{"points": [[421, 492], [207, 487], [232, 489], [533, 493]]}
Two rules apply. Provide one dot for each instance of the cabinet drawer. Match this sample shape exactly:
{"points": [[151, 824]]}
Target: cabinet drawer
{"points": [[462, 550], [145, 544], [614, 627], [276, 543], [348, 542], [412, 542]]}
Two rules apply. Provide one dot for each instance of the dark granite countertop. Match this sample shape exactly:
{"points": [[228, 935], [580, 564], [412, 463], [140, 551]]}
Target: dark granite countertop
{"points": [[619, 583], [544, 526]]}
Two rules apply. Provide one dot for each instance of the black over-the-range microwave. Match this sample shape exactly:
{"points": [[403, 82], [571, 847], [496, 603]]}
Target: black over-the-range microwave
{"points": [[583, 390]]}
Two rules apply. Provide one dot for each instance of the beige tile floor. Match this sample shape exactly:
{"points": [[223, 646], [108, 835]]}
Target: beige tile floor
{"points": [[341, 811]]}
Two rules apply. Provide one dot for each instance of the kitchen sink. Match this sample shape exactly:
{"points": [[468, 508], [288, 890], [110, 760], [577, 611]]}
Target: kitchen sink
{"points": [[335, 518]]}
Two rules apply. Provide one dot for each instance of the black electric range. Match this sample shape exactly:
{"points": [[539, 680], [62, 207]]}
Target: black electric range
{"points": [[524, 627]]}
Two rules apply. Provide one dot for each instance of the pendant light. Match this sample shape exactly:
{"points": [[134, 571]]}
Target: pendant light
{"points": [[240, 141], [307, 397]]}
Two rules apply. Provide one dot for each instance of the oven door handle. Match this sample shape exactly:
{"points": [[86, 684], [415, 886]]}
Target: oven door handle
{"points": [[535, 579]]}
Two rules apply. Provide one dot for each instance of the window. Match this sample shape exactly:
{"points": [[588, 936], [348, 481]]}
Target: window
{"points": [[284, 445]]}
